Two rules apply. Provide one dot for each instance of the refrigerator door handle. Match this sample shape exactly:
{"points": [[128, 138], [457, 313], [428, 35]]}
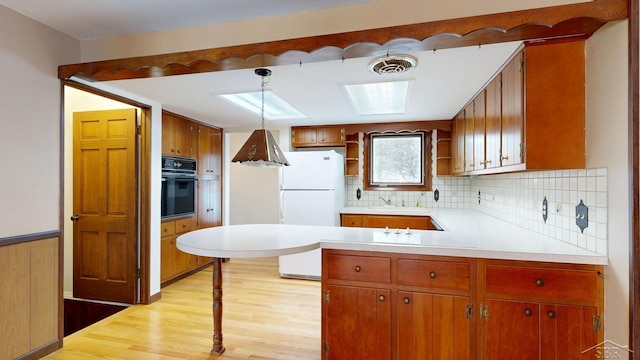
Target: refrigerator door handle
{"points": [[281, 207]]}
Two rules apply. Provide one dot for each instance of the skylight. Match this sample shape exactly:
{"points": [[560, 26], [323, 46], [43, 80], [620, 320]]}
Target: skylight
{"points": [[275, 108], [379, 98]]}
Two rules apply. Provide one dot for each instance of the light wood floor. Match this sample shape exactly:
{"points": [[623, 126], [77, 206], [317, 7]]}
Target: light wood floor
{"points": [[265, 317]]}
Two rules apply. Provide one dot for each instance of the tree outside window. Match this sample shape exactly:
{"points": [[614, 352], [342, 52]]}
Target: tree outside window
{"points": [[398, 161]]}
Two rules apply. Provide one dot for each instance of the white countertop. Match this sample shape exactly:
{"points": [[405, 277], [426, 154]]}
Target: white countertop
{"points": [[467, 233]]}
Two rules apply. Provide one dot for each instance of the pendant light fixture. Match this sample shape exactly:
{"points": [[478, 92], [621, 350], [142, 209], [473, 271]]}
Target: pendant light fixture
{"points": [[261, 149]]}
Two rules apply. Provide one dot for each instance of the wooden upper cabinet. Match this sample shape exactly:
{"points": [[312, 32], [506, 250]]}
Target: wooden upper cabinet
{"points": [[479, 131], [316, 136], [555, 106], [493, 123], [512, 98], [178, 136], [457, 144], [209, 151], [531, 116], [469, 130]]}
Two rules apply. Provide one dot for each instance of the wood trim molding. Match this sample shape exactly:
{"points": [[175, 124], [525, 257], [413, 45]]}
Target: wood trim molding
{"points": [[29, 237], [574, 20], [634, 177], [398, 126]]}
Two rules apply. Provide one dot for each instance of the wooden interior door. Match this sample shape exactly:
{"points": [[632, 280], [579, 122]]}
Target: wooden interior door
{"points": [[105, 239]]}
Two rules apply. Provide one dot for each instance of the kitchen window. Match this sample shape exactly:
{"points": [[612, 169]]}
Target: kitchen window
{"points": [[398, 161]]}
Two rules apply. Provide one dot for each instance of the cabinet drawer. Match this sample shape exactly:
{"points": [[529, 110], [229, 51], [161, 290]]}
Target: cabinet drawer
{"points": [[359, 268], [168, 228], [352, 220], [547, 284], [434, 274], [183, 225]]}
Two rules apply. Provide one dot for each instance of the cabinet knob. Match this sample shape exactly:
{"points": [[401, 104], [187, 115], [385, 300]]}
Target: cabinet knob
{"points": [[381, 297], [407, 300], [166, 229], [528, 312], [552, 314], [504, 158], [432, 274], [358, 268], [353, 222], [184, 226], [540, 282]]}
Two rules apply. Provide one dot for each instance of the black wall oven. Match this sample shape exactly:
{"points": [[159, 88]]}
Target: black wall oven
{"points": [[178, 187]]}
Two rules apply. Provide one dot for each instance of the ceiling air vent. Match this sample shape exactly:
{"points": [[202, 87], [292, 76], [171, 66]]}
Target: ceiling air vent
{"points": [[392, 64]]}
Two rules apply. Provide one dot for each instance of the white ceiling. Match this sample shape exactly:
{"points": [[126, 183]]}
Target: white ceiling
{"points": [[444, 81]]}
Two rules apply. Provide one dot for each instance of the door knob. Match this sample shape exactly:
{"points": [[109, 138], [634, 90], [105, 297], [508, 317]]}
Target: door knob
{"points": [[75, 218]]}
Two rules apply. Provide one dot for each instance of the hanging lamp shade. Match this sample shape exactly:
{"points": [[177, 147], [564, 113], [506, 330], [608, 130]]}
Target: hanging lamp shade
{"points": [[261, 149]]}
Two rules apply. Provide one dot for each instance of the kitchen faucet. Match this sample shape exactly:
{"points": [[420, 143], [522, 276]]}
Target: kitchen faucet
{"points": [[387, 202]]}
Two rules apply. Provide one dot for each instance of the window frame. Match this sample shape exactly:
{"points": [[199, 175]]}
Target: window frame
{"points": [[426, 166]]}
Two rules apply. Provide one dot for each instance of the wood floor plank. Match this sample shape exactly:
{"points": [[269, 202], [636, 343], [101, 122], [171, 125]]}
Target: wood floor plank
{"points": [[265, 317]]}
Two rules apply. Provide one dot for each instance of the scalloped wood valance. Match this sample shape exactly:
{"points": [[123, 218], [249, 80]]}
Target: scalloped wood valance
{"points": [[558, 22]]}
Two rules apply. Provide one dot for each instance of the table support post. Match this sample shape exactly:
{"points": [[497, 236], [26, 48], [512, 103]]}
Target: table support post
{"points": [[218, 348]]}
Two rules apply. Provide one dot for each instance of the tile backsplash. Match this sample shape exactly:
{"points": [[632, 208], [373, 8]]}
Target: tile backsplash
{"points": [[516, 198]]}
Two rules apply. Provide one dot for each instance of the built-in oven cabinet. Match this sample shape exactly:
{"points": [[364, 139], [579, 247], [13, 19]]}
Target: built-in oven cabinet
{"points": [[178, 135]]}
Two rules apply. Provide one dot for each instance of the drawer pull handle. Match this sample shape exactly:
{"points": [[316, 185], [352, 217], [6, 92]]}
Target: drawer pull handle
{"points": [[381, 297], [539, 282], [552, 314], [358, 268], [407, 300], [528, 312], [432, 274]]}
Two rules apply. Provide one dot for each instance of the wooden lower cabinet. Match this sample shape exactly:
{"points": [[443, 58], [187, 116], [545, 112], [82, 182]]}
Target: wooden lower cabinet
{"points": [[390, 221], [432, 326], [174, 262], [358, 320], [525, 330], [402, 306]]}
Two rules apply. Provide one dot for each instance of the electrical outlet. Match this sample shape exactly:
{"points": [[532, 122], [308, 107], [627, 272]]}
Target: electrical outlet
{"points": [[545, 209], [582, 216]]}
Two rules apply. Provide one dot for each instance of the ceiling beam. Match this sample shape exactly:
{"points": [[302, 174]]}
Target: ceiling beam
{"points": [[574, 20]]}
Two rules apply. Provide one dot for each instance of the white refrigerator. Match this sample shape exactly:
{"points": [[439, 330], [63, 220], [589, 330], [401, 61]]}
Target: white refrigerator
{"points": [[311, 193]]}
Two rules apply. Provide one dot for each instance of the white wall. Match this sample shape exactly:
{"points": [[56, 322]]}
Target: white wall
{"points": [[374, 14], [30, 123], [253, 193], [607, 146]]}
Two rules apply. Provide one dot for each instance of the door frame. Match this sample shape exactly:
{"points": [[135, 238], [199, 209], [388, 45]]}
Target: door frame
{"points": [[143, 168]]}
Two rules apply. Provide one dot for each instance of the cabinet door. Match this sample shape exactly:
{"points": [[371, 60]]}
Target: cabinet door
{"points": [[167, 257], [357, 323], [457, 145], [567, 331], [209, 151], [330, 136], [303, 136], [478, 132], [511, 330], [204, 150], [493, 121], [184, 137], [168, 136], [209, 205], [433, 327], [468, 138], [513, 112], [351, 220]]}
